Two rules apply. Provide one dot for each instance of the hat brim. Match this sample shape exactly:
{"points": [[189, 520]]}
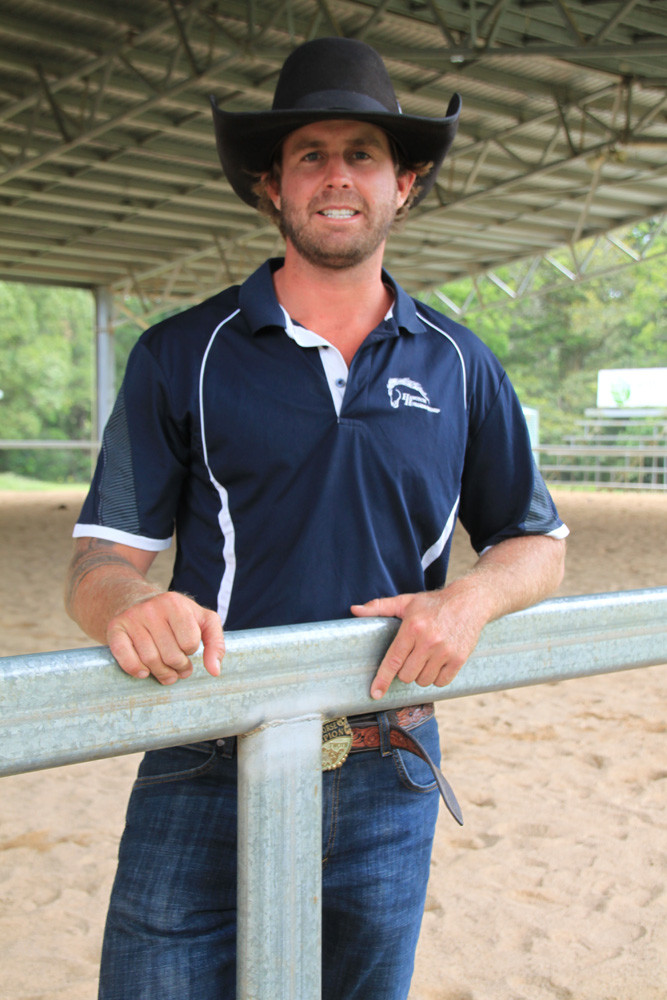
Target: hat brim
{"points": [[246, 141]]}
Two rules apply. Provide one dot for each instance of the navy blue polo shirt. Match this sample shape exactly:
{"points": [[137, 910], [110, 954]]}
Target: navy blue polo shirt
{"points": [[296, 487]]}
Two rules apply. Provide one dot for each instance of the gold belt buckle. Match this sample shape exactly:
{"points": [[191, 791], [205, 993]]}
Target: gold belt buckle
{"points": [[336, 743]]}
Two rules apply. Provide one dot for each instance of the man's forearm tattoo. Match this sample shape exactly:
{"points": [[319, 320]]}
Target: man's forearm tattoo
{"points": [[96, 554]]}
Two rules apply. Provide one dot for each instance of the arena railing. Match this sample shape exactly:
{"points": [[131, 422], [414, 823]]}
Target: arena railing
{"points": [[604, 466], [277, 687]]}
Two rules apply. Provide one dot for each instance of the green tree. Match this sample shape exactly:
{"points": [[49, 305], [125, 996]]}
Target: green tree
{"points": [[46, 377], [554, 343]]}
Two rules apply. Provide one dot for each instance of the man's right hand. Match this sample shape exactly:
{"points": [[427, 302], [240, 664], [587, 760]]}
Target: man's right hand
{"points": [[149, 630], [158, 636]]}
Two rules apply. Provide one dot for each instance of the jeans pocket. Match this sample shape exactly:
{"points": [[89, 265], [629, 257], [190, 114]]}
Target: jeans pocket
{"points": [[175, 764], [412, 771]]}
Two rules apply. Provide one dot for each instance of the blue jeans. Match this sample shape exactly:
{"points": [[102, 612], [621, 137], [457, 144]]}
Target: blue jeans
{"points": [[171, 927]]}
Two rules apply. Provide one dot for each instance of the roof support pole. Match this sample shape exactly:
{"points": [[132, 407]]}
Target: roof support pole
{"points": [[104, 359]]}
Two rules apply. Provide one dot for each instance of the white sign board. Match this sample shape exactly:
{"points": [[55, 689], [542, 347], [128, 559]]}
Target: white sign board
{"points": [[632, 387]]}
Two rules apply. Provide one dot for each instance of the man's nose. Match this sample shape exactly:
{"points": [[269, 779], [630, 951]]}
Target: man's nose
{"points": [[338, 172]]}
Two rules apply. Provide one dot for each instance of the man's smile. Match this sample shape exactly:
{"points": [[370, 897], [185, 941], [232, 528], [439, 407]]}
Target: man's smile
{"points": [[338, 213]]}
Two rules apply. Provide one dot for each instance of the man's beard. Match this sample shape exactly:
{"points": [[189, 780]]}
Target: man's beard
{"points": [[322, 251]]}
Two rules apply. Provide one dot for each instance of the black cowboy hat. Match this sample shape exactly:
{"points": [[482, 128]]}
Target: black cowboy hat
{"points": [[326, 79]]}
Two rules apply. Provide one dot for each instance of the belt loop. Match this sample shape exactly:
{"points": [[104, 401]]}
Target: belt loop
{"points": [[227, 747], [385, 734]]}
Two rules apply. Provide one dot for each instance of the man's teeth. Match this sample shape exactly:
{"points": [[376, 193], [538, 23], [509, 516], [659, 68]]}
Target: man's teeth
{"points": [[338, 213]]}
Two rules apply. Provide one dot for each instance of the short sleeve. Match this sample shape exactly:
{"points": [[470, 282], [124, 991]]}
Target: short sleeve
{"points": [[137, 484], [503, 494]]}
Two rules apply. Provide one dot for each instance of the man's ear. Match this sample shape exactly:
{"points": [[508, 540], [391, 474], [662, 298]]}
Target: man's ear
{"points": [[404, 181], [272, 188]]}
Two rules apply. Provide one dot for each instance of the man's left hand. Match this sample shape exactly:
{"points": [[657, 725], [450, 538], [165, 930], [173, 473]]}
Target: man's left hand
{"points": [[437, 635], [440, 628]]}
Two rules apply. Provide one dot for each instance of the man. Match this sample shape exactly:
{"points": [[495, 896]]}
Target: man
{"points": [[312, 435]]}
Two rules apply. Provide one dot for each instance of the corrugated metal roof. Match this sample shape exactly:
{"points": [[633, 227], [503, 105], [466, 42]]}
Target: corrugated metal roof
{"points": [[108, 170]]}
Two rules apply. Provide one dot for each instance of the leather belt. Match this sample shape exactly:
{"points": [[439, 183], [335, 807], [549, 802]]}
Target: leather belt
{"points": [[365, 730], [359, 733]]}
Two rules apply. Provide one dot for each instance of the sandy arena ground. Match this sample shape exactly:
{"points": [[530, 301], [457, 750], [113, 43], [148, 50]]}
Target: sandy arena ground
{"points": [[553, 890]]}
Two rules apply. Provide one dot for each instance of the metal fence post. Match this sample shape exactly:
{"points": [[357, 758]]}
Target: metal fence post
{"points": [[279, 861]]}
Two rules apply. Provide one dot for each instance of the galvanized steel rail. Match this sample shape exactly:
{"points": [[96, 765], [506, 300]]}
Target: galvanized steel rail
{"points": [[276, 688]]}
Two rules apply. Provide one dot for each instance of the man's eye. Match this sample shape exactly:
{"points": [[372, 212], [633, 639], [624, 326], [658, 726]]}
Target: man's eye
{"points": [[311, 157]]}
